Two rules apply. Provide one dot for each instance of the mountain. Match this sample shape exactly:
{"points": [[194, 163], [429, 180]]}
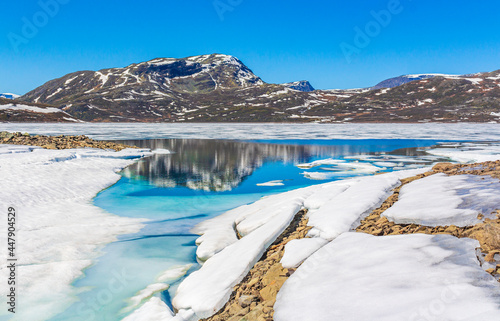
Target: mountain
{"points": [[444, 98], [302, 85], [9, 96], [220, 88], [15, 111], [200, 88], [401, 80]]}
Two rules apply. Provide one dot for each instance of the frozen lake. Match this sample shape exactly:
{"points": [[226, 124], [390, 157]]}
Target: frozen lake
{"points": [[462, 131]]}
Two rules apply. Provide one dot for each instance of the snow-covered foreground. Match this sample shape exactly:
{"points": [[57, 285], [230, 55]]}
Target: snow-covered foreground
{"points": [[408, 277], [413, 265], [59, 231], [464, 131], [441, 200]]}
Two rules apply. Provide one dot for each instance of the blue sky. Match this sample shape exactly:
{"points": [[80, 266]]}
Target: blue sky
{"points": [[280, 41]]}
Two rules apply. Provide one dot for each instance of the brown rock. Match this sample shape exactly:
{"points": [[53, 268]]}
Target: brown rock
{"points": [[234, 309], [253, 315], [252, 282], [273, 274], [490, 257], [442, 167], [246, 300], [269, 292]]}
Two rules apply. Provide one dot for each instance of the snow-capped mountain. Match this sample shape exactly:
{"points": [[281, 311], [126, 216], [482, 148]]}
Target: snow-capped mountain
{"points": [[302, 85], [14, 111], [401, 80], [220, 88], [398, 81], [442, 98], [208, 87], [9, 96]]}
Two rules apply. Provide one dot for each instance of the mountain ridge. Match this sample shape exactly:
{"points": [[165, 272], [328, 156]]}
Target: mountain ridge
{"points": [[221, 88]]}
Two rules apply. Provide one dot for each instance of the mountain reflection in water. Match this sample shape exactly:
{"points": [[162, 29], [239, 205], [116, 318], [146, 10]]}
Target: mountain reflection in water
{"points": [[221, 165]]}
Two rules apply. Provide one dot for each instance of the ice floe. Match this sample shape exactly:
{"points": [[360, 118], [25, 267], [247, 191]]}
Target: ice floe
{"points": [[272, 183], [408, 277], [446, 200], [469, 152]]}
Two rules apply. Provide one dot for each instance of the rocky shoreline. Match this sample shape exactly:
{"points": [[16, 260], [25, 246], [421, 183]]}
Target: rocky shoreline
{"points": [[254, 297], [58, 142]]}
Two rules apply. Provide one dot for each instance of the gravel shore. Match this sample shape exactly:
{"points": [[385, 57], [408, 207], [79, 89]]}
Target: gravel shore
{"points": [[57, 142]]}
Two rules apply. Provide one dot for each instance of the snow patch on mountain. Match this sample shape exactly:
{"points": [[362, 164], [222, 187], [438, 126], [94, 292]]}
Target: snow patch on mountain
{"points": [[9, 96]]}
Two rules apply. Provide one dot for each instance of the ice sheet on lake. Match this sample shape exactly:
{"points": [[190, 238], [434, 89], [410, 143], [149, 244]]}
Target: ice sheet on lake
{"points": [[153, 310], [463, 131], [469, 152], [60, 232], [446, 200], [144, 294], [391, 278]]}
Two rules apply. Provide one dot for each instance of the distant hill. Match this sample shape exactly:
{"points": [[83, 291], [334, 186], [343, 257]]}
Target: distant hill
{"points": [[302, 85], [15, 111], [401, 80], [444, 98]]}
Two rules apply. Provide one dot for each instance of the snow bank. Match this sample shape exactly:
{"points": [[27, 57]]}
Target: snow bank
{"points": [[207, 290], [340, 213], [440, 200], [45, 110], [325, 193], [296, 251], [59, 230], [408, 277]]}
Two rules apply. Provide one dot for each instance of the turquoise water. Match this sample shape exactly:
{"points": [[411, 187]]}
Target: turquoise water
{"points": [[202, 179]]}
